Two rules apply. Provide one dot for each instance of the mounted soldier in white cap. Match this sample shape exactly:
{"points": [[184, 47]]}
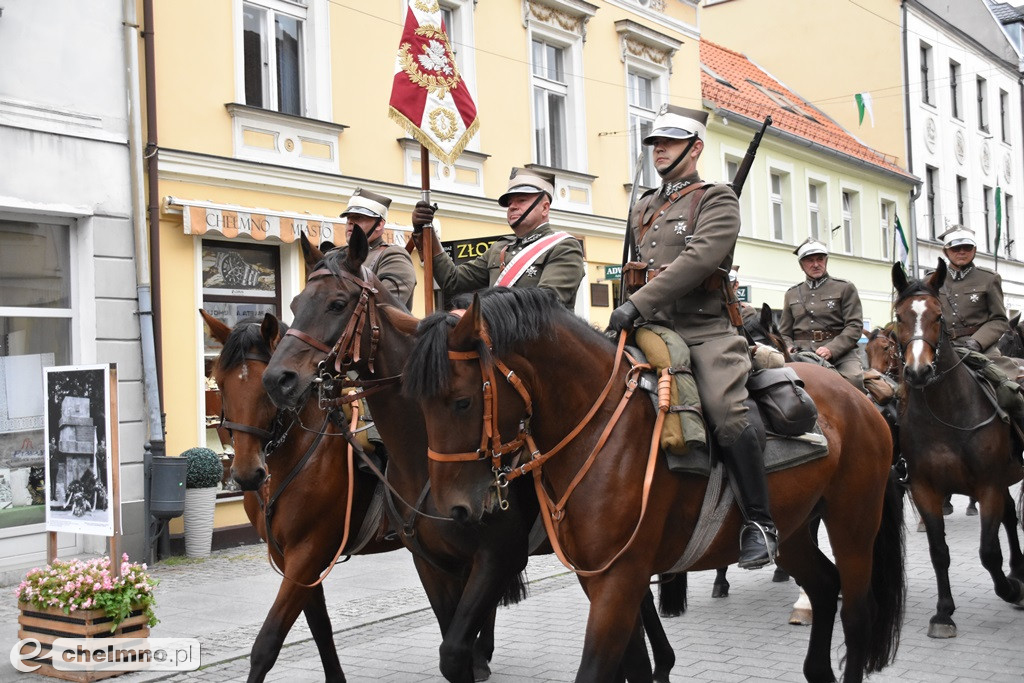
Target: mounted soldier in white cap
{"points": [[686, 234], [535, 256], [391, 264], [823, 315]]}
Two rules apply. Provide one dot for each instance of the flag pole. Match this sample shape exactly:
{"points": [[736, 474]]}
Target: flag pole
{"points": [[428, 240]]}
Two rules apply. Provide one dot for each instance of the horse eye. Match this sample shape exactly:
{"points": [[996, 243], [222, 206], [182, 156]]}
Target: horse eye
{"points": [[336, 306], [461, 404]]}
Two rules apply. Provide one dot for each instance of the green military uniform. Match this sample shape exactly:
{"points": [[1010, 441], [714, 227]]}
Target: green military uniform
{"points": [[972, 306], [559, 269], [826, 312], [679, 296], [393, 267]]}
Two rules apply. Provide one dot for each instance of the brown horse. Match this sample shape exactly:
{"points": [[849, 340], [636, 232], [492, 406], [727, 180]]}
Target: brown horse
{"points": [[465, 572], [953, 441], [556, 401], [287, 469]]}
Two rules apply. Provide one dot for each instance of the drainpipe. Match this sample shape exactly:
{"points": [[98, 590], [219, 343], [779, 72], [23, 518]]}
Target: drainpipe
{"points": [[916, 192], [145, 268]]}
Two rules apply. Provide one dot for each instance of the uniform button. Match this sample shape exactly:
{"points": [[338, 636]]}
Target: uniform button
{"points": [[662, 213], [650, 261], [655, 227], [654, 244]]}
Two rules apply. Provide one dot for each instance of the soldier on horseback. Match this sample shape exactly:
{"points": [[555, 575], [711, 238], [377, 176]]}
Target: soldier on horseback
{"points": [[391, 264], [822, 315], [686, 234]]}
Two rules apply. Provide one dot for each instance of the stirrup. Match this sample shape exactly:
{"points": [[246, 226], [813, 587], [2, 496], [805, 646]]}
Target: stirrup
{"points": [[770, 539]]}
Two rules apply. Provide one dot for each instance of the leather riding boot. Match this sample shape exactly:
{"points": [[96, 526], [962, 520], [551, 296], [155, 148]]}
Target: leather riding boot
{"points": [[744, 461]]}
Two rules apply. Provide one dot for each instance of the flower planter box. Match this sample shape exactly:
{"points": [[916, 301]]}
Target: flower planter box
{"points": [[46, 625]]}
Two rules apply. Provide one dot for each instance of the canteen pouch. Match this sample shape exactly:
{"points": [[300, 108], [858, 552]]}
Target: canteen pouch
{"points": [[634, 275], [785, 406], [684, 425]]}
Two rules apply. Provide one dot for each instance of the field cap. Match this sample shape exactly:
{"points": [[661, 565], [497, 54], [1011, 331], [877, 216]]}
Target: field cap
{"points": [[678, 123], [958, 235], [526, 181], [809, 247], [366, 203]]}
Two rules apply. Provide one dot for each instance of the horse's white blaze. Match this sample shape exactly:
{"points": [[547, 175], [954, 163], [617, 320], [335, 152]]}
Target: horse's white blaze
{"points": [[917, 346]]}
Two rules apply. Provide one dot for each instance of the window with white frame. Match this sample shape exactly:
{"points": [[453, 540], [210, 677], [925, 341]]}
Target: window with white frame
{"points": [[886, 216], [550, 102], [274, 55], [815, 195], [931, 178], [642, 92], [988, 216], [37, 315], [982, 104], [926, 67], [1004, 115], [961, 199], [954, 90], [777, 188], [849, 220], [732, 167], [1007, 240]]}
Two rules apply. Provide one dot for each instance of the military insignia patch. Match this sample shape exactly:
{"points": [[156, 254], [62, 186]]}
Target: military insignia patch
{"points": [[975, 298], [531, 272], [830, 303], [680, 228]]}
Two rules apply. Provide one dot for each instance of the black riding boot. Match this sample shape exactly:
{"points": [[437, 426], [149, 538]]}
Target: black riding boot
{"points": [[744, 461]]}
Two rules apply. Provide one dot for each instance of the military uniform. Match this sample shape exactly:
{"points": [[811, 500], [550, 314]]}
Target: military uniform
{"points": [[680, 297], [972, 306], [393, 267], [559, 269], [827, 313]]}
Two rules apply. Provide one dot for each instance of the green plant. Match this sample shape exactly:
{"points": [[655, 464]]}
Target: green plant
{"points": [[72, 585], [204, 468]]}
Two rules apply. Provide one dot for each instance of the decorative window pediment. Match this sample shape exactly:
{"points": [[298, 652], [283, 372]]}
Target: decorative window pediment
{"points": [[647, 44], [568, 15]]}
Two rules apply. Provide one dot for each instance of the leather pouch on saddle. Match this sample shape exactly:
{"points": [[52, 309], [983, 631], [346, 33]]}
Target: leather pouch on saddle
{"points": [[684, 431], [785, 406], [1008, 392], [881, 388]]}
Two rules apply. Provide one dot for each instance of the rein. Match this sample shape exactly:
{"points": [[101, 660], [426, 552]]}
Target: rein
{"points": [[491, 446]]}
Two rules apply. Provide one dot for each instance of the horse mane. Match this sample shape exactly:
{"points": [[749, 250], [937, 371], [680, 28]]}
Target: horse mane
{"points": [[513, 317], [245, 337]]}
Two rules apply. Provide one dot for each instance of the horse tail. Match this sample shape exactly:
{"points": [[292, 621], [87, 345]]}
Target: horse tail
{"points": [[888, 580], [672, 594], [515, 591]]}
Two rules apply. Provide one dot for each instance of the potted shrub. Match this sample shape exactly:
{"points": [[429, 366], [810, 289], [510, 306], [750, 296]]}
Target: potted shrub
{"points": [[83, 599], [202, 476]]}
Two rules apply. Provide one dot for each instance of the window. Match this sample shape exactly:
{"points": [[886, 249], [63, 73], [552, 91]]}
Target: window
{"points": [[961, 198], [930, 178], [982, 104], [642, 110], [954, 89], [36, 319], [926, 66], [885, 225], [778, 207], [273, 55], [1006, 239], [988, 217], [1004, 115], [550, 95], [849, 219], [813, 211]]}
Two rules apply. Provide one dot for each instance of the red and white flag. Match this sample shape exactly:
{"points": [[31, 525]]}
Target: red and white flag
{"points": [[429, 98]]}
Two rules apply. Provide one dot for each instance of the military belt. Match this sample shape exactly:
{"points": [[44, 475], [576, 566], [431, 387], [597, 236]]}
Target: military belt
{"points": [[818, 336], [964, 331]]}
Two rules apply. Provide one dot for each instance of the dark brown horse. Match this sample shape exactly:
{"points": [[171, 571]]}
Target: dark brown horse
{"points": [[465, 572], [553, 402], [297, 495], [953, 441]]}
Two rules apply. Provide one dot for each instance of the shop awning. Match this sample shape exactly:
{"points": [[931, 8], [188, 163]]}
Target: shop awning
{"points": [[201, 217]]}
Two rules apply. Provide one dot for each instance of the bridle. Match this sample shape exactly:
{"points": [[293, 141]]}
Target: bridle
{"points": [[347, 350], [271, 438], [936, 347]]}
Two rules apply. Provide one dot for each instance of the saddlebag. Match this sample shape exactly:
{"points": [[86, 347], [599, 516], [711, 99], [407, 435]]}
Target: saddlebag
{"points": [[787, 409], [666, 351]]}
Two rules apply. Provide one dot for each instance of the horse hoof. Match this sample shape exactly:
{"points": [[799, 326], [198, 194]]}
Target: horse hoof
{"points": [[481, 672], [780, 576], [942, 630], [972, 510], [720, 591], [801, 616]]}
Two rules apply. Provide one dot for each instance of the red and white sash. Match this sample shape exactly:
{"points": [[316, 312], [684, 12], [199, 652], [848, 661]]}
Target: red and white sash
{"points": [[517, 267]]}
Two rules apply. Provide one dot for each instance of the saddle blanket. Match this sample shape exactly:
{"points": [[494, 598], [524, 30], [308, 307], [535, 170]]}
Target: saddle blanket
{"points": [[780, 452]]}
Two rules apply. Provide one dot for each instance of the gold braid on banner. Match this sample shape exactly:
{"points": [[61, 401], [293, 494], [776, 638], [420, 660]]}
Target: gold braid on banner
{"points": [[424, 6], [434, 84]]}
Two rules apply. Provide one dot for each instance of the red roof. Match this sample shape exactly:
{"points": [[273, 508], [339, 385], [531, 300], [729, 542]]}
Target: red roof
{"points": [[789, 111]]}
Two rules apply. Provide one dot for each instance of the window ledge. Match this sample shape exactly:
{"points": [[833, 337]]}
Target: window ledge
{"points": [[573, 190], [272, 137], [465, 176]]}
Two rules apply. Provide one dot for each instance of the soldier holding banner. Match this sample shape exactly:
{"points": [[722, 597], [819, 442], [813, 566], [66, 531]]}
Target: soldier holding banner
{"points": [[534, 256]]}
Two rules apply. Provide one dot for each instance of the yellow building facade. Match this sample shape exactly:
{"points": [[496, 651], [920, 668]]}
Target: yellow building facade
{"points": [[272, 112]]}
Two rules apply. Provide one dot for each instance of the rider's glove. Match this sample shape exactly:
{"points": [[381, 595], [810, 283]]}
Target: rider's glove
{"points": [[422, 216], [623, 317]]}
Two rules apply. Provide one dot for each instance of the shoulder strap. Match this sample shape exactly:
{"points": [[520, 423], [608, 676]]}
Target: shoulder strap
{"points": [[672, 199]]}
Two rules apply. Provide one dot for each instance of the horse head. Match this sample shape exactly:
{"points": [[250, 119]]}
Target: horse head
{"points": [[764, 330], [882, 350], [1011, 343], [919, 328], [246, 411], [336, 327]]}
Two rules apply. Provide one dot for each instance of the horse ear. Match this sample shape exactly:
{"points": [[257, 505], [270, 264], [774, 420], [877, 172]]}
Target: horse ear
{"points": [[311, 254], [270, 331], [767, 317], [326, 246], [470, 327], [1014, 321], [358, 249], [219, 330], [899, 277], [936, 279]]}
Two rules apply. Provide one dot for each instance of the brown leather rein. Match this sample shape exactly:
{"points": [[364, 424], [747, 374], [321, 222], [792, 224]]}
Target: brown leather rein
{"points": [[491, 446]]}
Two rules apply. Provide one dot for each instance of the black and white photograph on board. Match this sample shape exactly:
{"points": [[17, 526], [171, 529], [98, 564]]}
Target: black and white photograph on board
{"points": [[78, 467]]}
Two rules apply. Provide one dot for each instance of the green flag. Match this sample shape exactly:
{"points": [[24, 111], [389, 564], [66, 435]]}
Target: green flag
{"points": [[902, 248], [864, 104]]}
